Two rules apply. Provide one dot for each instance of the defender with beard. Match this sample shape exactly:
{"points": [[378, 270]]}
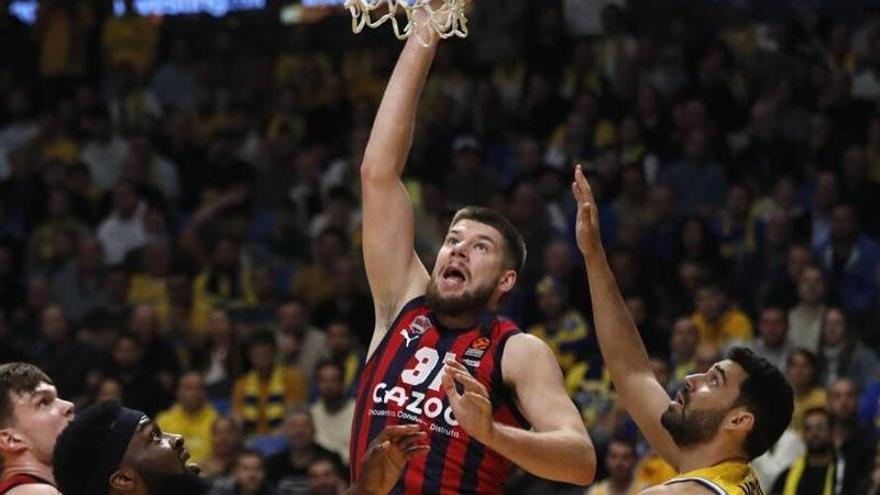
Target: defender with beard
{"points": [[500, 395], [113, 450], [721, 419]]}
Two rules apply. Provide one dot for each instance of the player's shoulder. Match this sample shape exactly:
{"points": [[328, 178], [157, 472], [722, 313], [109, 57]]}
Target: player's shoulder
{"points": [[681, 488], [34, 489]]}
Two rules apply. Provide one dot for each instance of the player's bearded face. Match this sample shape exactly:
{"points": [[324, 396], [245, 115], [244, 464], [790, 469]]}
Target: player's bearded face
{"points": [[186, 483], [688, 426], [471, 301]]}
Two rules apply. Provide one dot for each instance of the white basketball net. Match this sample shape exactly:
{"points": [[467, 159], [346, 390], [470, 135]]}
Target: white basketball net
{"points": [[445, 21]]}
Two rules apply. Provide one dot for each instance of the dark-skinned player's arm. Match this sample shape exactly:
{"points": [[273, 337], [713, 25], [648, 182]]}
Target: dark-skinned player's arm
{"points": [[385, 458], [622, 348], [394, 271], [558, 446]]}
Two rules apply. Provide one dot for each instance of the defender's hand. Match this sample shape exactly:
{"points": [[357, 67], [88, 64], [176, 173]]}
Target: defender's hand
{"points": [[472, 409], [387, 454], [587, 226]]}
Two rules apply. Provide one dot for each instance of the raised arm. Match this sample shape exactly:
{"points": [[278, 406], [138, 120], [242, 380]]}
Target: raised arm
{"points": [[558, 446], [622, 348], [394, 271]]}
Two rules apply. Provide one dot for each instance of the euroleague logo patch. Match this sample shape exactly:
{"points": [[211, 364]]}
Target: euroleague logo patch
{"points": [[477, 349], [416, 329]]}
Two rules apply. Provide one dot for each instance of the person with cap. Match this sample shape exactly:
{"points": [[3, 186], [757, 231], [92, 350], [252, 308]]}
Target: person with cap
{"points": [[112, 450]]}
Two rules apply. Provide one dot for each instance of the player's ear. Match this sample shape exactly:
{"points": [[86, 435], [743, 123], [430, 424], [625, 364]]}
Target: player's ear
{"points": [[11, 441], [740, 419], [123, 480], [508, 280]]}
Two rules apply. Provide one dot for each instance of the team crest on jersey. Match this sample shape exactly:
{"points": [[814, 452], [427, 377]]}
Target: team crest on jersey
{"points": [[478, 348], [416, 329]]}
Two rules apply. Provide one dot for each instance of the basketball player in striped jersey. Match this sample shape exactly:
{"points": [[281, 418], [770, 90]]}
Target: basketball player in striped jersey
{"points": [[721, 419], [31, 417], [486, 394]]}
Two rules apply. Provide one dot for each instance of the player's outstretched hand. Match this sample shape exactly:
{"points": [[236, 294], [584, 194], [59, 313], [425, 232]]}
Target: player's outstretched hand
{"points": [[472, 409], [385, 457], [587, 226]]}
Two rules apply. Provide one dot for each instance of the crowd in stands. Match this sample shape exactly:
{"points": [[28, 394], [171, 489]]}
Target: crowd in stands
{"points": [[179, 224]]}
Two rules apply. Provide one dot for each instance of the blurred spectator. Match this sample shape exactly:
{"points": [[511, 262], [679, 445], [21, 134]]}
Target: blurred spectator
{"points": [[174, 83], [468, 182], [842, 353], [683, 346], [772, 341], [149, 285], [130, 41], [620, 461], [289, 469], [871, 484], [21, 126], [225, 445], [853, 442], [314, 282], [349, 301], [219, 357], [815, 472], [325, 478], [333, 412], [716, 320], [123, 229], [342, 348], [697, 179], [261, 396], [851, 260], [301, 344], [53, 242], [805, 319], [72, 363], [778, 458], [105, 151], [226, 280], [802, 370], [248, 477], [160, 358], [561, 327], [79, 285], [141, 389], [191, 416]]}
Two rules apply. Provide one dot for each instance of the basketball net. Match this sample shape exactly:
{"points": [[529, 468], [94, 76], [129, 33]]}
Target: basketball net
{"points": [[422, 20]]}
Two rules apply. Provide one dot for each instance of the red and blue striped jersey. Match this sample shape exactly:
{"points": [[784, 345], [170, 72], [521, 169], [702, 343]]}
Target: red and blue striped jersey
{"points": [[401, 384]]}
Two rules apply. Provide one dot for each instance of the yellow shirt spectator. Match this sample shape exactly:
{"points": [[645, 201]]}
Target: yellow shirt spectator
{"points": [[131, 40], [260, 401], [194, 427], [816, 397], [732, 325]]}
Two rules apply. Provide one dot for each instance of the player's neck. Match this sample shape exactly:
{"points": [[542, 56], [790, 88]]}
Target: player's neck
{"points": [[26, 464], [457, 321], [707, 455]]}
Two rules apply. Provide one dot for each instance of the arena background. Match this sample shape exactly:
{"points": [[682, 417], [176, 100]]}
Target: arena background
{"points": [[180, 191]]}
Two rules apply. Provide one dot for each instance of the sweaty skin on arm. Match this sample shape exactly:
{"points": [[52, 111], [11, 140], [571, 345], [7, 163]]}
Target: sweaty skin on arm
{"points": [[394, 271], [558, 447], [622, 348]]}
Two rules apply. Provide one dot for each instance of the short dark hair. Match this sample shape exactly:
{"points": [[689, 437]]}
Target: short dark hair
{"points": [[514, 244], [627, 440], [263, 336], [17, 378], [767, 394], [248, 452], [820, 411], [332, 364], [79, 445]]}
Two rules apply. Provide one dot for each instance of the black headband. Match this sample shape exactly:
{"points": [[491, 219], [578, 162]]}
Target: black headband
{"points": [[117, 443]]}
